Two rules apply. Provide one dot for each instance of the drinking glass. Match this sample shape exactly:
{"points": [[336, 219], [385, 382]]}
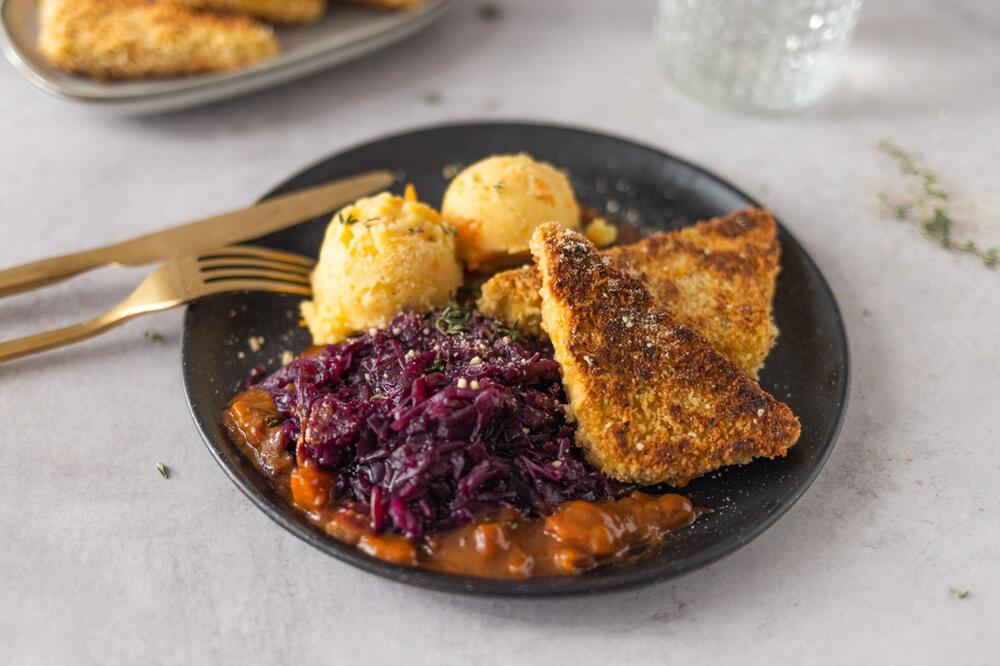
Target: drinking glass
{"points": [[772, 56]]}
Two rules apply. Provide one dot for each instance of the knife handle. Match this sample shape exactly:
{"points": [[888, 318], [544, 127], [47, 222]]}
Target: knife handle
{"points": [[49, 271]]}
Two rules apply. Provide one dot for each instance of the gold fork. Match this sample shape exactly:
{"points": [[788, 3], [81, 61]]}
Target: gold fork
{"points": [[179, 281]]}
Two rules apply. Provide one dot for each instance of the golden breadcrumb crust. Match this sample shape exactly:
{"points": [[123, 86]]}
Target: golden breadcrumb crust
{"points": [[716, 277], [119, 39], [652, 400], [273, 11]]}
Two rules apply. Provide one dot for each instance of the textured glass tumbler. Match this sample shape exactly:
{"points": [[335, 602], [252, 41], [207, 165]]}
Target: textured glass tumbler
{"points": [[771, 56]]}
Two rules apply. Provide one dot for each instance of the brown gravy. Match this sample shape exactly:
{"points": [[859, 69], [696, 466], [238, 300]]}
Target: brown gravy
{"points": [[576, 537]]}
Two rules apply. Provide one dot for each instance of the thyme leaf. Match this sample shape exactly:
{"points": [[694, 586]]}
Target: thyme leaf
{"points": [[939, 227], [991, 257]]}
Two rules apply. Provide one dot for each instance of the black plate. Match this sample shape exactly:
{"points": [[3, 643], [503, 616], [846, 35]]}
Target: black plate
{"points": [[808, 368]]}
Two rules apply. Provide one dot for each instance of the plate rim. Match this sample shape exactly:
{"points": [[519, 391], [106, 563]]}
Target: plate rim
{"points": [[216, 86], [542, 586]]}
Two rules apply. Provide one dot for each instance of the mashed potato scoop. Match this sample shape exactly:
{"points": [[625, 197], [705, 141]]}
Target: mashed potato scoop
{"points": [[381, 255], [496, 203]]}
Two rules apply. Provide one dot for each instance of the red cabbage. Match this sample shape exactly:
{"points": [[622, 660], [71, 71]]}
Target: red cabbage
{"points": [[435, 418]]}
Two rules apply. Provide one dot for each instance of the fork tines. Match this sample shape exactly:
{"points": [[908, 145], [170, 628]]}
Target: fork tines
{"points": [[257, 252], [248, 262]]}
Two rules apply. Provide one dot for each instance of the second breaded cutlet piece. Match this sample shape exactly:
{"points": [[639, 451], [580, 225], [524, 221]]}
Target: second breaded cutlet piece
{"points": [[653, 402], [125, 39], [716, 277], [273, 11]]}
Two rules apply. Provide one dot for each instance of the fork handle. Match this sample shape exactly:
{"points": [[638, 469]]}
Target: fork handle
{"points": [[48, 271], [40, 342]]}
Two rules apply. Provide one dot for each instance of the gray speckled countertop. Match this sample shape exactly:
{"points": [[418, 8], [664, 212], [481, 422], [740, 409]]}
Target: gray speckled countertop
{"points": [[104, 562]]}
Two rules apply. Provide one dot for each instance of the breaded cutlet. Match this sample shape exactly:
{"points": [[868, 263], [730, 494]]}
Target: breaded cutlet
{"points": [[120, 39], [273, 11], [653, 402], [716, 277]]}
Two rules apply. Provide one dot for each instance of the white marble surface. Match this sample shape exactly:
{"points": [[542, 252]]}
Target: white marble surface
{"points": [[104, 562]]}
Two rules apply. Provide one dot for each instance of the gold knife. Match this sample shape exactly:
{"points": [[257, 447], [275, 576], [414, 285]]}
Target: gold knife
{"points": [[218, 231]]}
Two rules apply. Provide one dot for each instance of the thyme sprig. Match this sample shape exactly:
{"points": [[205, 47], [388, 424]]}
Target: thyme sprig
{"points": [[930, 207], [349, 220], [452, 320], [957, 593], [513, 332], [489, 13], [437, 365]]}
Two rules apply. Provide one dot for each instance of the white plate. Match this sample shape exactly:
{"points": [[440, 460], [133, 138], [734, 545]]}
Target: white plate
{"points": [[346, 32]]}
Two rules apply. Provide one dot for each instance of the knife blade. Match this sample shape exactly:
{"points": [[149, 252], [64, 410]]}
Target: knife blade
{"points": [[212, 232]]}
